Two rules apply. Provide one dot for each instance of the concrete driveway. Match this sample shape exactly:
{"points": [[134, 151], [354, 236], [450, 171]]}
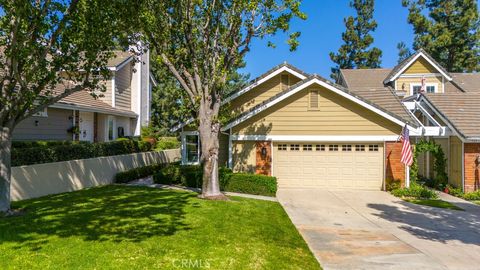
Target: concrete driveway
{"points": [[374, 230]]}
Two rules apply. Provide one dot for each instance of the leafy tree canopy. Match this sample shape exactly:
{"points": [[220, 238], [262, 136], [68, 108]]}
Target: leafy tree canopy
{"points": [[448, 31]]}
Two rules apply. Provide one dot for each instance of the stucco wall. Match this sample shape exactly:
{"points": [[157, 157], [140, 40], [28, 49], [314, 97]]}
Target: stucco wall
{"points": [[52, 178]]}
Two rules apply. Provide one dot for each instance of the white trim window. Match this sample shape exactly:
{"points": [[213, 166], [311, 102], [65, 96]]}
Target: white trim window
{"points": [[110, 128], [190, 148], [429, 88]]}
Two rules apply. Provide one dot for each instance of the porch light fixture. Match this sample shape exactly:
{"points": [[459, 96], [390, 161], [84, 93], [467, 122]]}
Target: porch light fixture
{"points": [[264, 152]]}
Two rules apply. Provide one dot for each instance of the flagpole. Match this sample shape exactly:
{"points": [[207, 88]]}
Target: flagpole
{"points": [[407, 176]]}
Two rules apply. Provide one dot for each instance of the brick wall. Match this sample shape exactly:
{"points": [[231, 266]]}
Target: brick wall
{"points": [[471, 166], [394, 168]]}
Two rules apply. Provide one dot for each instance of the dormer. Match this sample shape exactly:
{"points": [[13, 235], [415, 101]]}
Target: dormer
{"points": [[407, 77]]}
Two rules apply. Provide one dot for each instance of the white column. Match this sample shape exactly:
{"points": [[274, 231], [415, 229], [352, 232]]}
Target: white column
{"points": [[407, 176]]}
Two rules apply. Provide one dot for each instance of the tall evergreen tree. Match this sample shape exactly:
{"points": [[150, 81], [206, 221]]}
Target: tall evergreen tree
{"points": [[403, 51], [356, 52], [448, 31]]}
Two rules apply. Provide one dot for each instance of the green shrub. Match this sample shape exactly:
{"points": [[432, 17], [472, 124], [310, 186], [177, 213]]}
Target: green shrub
{"points": [[472, 196], [165, 143], [391, 184], [252, 184], [457, 192], [416, 191], [31, 144], [137, 173], [191, 176], [51, 152]]}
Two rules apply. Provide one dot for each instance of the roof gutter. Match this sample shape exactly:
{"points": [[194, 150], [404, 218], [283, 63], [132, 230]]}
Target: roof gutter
{"points": [[90, 109]]}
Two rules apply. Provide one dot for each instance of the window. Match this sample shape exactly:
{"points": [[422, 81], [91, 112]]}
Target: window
{"points": [[431, 89], [307, 147], [110, 128], [346, 148], [320, 147], [191, 148], [285, 81], [313, 100], [282, 147], [333, 147], [373, 148], [416, 89], [360, 148], [42, 113], [294, 147]]}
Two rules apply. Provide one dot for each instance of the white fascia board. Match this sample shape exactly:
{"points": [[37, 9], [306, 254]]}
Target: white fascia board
{"points": [[427, 114], [266, 78], [413, 60], [121, 65], [315, 138], [417, 75], [91, 109], [327, 86], [181, 125], [113, 92]]}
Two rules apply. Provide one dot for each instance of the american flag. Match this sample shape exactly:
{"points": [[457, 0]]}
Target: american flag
{"points": [[407, 155], [422, 89]]}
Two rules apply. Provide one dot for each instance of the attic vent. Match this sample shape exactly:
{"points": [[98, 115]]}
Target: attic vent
{"points": [[314, 100], [285, 81]]}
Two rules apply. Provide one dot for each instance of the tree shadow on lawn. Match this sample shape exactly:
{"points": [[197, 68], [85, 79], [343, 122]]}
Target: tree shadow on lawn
{"points": [[435, 224], [110, 213]]}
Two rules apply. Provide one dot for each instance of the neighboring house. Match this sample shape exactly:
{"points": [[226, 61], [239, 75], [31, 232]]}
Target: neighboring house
{"points": [[121, 111], [310, 132]]}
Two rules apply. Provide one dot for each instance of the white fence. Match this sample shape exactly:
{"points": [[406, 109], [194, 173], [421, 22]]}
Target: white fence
{"points": [[51, 178]]}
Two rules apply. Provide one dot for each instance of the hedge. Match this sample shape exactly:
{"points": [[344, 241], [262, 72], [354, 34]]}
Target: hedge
{"points": [[164, 143], [252, 184], [191, 176], [416, 191], [71, 151], [30, 144], [137, 173]]}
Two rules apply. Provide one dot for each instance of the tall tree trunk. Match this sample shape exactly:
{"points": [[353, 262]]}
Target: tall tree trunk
{"points": [[5, 169], [208, 132]]}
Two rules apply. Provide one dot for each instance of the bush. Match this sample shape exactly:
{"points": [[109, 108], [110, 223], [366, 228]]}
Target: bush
{"points": [[416, 191], [252, 184], [391, 184], [457, 192], [472, 196], [31, 144], [51, 152], [165, 143], [191, 176], [137, 173]]}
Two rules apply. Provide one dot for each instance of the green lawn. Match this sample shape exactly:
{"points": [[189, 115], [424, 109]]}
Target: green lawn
{"points": [[434, 203], [476, 202], [119, 227]]}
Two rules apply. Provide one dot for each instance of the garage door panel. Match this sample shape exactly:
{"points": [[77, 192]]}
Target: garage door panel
{"points": [[329, 169]]}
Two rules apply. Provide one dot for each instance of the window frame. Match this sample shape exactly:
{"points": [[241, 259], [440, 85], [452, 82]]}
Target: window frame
{"points": [[307, 147], [412, 85], [184, 135], [375, 147], [333, 148], [294, 147]]}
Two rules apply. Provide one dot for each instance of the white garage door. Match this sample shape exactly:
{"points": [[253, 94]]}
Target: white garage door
{"points": [[329, 165]]}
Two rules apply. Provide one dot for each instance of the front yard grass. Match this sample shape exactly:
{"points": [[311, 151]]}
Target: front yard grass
{"points": [[121, 227], [476, 202], [434, 203]]}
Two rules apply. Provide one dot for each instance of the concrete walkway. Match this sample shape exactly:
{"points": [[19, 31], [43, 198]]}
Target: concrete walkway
{"points": [[374, 230]]}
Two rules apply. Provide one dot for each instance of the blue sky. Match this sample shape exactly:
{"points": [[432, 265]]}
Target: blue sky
{"points": [[321, 34]]}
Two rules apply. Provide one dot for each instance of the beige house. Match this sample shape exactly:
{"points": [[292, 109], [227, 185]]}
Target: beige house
{"points": [[310, 132], [121, 111]]}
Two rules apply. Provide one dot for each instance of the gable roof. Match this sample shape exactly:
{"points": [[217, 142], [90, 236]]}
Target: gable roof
{"points": [[119, 59], [284, 67], [460, 110], [368, 84], [315, 79], [400, 68]]}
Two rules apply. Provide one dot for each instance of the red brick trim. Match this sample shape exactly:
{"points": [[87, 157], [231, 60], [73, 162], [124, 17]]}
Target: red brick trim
{"points": [[394, 169], [471, 166]]}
